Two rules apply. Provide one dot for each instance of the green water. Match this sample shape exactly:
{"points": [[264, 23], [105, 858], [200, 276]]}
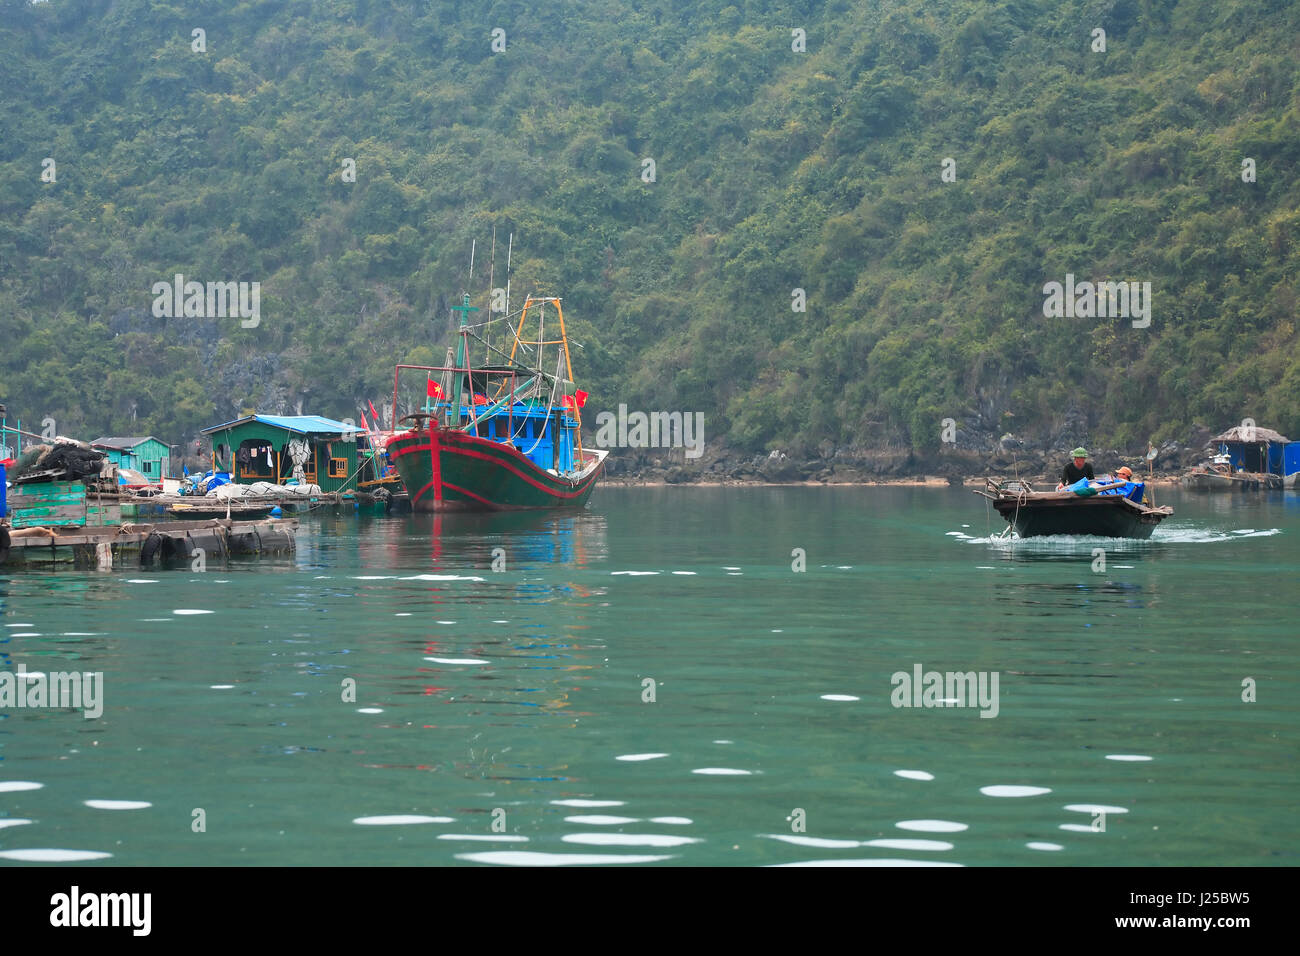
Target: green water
{"points": [[499, 703]]}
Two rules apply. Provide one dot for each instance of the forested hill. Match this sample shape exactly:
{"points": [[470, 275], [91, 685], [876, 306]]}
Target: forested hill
{"points": [[795, 146]]}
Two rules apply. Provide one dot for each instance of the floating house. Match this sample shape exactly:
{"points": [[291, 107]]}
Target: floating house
{"points": [[1261, 451], [307, 449], [146, 455]]}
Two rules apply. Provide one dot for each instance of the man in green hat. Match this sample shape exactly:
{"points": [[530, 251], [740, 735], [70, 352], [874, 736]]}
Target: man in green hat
{"points": [[1079, 468]]}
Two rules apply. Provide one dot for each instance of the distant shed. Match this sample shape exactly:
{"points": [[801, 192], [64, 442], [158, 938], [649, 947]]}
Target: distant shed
{"points": [[1259, 450], [146, 455]]}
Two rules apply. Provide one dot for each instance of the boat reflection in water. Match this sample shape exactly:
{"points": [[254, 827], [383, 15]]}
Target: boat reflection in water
{"points": [[510, 540]]}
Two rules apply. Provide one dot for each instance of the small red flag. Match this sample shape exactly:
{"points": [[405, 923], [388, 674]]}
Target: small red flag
{"points": [[480, 400], [433, 389], [576, 400]]}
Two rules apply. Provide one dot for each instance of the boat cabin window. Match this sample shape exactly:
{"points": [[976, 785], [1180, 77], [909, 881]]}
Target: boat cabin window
{"points": [[338, 468]]}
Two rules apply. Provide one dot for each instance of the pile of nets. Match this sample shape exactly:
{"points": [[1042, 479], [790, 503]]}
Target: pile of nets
{"points": [[67, 460]]}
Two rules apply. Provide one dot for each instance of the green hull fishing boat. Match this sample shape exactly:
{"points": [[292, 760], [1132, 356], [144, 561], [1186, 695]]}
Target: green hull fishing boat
{"points": [[496, 437]]}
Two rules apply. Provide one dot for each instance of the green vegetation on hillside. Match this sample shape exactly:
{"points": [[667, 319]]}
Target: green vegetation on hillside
{"points": [[775, 170]]}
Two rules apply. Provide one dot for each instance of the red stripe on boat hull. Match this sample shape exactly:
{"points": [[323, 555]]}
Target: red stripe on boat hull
{"points": [[467, 473]]}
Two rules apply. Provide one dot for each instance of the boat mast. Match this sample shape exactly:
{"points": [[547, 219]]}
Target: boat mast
{"points": [[562, 342], [462, 359], [487, 326]]}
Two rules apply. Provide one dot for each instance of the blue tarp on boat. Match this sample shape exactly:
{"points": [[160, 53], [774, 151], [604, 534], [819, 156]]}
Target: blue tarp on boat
{"points": [[1130, 489]]}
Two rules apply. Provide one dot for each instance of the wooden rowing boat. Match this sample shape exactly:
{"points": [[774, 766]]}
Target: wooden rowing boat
{"points": [[1103, 513]]}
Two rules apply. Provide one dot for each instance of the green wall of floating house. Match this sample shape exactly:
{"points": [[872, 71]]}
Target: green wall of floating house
{"points": [[151, 458], [326, 449]]}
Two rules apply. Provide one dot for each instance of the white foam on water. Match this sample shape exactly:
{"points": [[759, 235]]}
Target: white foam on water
{"points": [[373, 577], [44, 855], [635, 573], [932, 826], [118, 804], [628, 839], [26, 634], [638, 757], [80, 634], [1094, 808], [672, 821], [685, 572], [724, 772], [20, 625], [1213, 535], [839, 697], [1038, 845], [813, 841], [731, 569], [399, 820], [190, 610], [599, 820], [16, 822], [370, 710], [141, 580], [900, 844], [457, 660], [13, 786], [441, 577], [534, 858], [1014, 790], [484, 837], [869, 863], [1128, 757], [402, 614], [444, 622], [735, 574], [913, 775], [724, 741], [1078, 828], [588, 803], [222, 687]]}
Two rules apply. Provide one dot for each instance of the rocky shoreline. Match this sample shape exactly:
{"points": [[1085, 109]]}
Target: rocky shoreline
{"points": [[950, 465]]}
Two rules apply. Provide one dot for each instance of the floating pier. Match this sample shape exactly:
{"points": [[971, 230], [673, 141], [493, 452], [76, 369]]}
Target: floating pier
{"points": [[158, 544]]}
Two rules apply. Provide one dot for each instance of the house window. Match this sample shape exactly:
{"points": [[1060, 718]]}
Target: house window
{"points": [[338, 468], [147, 468]]}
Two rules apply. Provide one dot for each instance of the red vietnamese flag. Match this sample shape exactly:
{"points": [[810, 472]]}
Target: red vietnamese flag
{"points": [[433, 389], [576, 400]]}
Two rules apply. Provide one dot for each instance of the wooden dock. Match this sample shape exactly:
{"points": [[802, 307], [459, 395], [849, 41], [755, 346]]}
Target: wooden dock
{"points": [[157, 544]]}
